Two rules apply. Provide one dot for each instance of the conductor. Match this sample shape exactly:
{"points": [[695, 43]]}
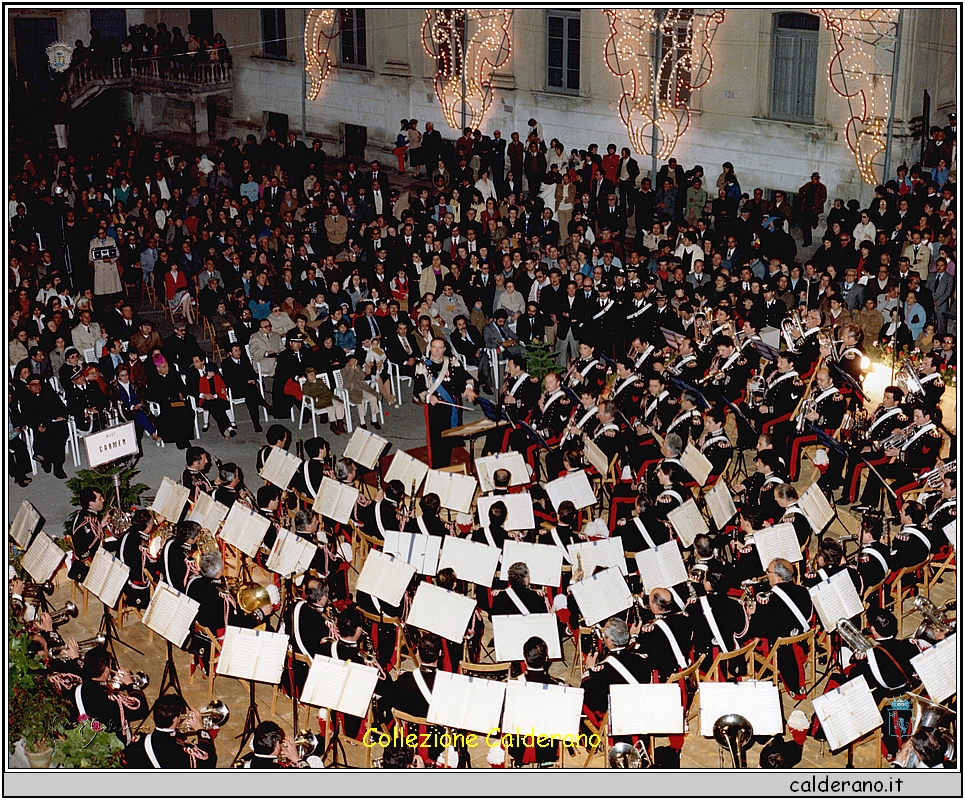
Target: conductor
{"points": [[440, 382]]}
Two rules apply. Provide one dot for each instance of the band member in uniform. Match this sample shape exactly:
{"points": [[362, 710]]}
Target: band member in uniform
{"points": [[134, 552], [643, 355], [728, 372], [620, 665], [782, 393], [759, 487], [231, 488], [177, 558], [308, 479], [536, 656], [808, 347], [873, 557], [519, 395], [549, 418], [714, 442], [219, 608], [828, 562], [87, 533], [429, 522], [667, 641], [113, 708], [688, 424], [945, 508], [824, 407], [194, 476], [887, 419], [587, 371], [919, 453], [517, 597], [273, 750], [310, 621], [165, 747], [440, 382], [382, 515], [786, 610], [719, 622], [627, 390], [786, 497], [850, 352], [931, 379], [911, 545]]}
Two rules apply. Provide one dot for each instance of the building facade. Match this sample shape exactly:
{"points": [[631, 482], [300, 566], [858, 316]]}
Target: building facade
{"points": [[768, 106]]}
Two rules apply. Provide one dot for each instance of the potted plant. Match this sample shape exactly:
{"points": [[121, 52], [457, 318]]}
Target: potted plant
{"points": [[42, 715], [88, 745]]}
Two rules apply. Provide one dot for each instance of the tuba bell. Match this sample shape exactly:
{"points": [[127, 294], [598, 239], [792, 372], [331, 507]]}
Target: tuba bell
{"points": [[252, 596], [932, 716], [935, 625], [854, 638], [624, 756], [734, 732]]}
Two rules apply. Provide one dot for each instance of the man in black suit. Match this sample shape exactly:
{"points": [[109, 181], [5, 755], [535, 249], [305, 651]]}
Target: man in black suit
{"points": [[109, 363], [180, 347], [164, 748], [532, 324], [402, 349], [240, 377], [367, 326]]}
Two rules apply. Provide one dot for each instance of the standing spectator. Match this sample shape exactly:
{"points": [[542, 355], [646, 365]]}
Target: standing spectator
{"points": [[814, 195]]}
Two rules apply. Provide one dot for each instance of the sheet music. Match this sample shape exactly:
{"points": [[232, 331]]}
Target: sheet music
{"points": [[245, 529], [465, 702], [420, 550], [456, 492], [441, 612], [545, 561], [836, 598], [661, 567], [510, 632], [688, 522], [335, 500], [816, 507], [546, 708], [519, 507], [512, 460], [340, 686], [107, 576], [778, 541], [25, 524], [291, 554], [171, 613], [951, 533], [365, 448], [170, 499], [574, 486], [697, 464], [280, 467], [471, 561], [385, 577], [847, 712], [759, 702], [936, 667], [42, 558], [645, 708], [595, 457], [721, 504], [208, 512], [253, 655], [600, 553], [602, 595], [407, 469], [596, 529]]}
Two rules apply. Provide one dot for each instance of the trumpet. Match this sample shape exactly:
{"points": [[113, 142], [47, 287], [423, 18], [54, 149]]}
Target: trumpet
{"points": [[36, 589], [935, 625], [756, 389], [897, 439], [792, 329], [826, 340], [141, 680], [807, 406], [59, 617], [305, 743], [83, 647], [713, 373], [854, 638], [934, 478], [213, 715]]}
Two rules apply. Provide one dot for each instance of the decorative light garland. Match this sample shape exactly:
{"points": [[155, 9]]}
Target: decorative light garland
{"points": [[685, 66], [487, 49], [322, 27], [855, 72]]}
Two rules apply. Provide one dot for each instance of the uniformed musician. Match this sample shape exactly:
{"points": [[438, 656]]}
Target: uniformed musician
{"points": [[87, 533], [587, 371], [194, 476], [887, 419], [667, 641], [824, 407], [719, 622], [165, 747], [782, 393], [440, 382], [114, 708]]}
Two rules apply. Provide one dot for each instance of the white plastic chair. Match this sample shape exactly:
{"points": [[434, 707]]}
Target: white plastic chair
{"points": [[155, 410], [28, 437], [308, 405], [197, 410], [234, 401], [342, 394], [473, 371], [89, 355], [396, 379], [495, 364]]}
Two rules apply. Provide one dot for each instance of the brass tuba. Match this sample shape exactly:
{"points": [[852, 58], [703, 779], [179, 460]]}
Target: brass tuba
{"points": [[927, 714], [854, 638], [734, 732], [251, 597], [934, 622], [625, 756]]}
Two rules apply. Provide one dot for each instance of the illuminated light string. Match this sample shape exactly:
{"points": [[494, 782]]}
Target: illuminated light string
{"points": [[466, 63], [322, 27], [855, 72], [686, 64]]}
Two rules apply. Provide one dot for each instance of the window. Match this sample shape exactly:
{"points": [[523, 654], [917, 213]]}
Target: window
{"points": [[449, 64], [795, 67], [273, 33], [353, 37], [563, 51], [676, 42]]}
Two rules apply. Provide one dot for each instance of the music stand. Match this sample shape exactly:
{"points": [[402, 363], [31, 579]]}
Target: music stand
{"points": [[835, 369], [252, 719], [568, 391], [740, 468], [109, 629], [739, 415], [534, 435], [836, 446], [169, 680], [673, 338], [608, 361], [492, 412], [702, 401], [767, 352]]}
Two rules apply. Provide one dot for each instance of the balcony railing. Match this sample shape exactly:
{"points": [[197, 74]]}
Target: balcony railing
{"points": [[87, 79]]}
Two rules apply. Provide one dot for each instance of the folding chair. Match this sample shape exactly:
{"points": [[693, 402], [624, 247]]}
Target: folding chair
{"points": [[901, 592], [768, 664], [500, 671], [600, 731], [401, 639], [719, 666], [213, 656], [297, 704]]}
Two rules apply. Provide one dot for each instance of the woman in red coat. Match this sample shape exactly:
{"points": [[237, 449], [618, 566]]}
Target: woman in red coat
{"points": [[214, 398], [177, 294]]}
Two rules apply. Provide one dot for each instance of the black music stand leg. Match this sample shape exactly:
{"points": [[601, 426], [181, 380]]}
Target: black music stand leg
{"points": [[252, 719], [169, 680], [334, 744], [109, 628]]}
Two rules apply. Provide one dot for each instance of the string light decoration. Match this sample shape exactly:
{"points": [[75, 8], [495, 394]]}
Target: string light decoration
{"points": [[469, 45], [685, 65], [863, 37], [322, 27]]}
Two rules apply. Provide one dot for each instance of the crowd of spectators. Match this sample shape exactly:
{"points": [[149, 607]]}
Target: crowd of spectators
{"points": [[337, 266]]}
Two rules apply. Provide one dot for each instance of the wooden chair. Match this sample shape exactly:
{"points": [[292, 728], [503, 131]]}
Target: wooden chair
{"points": [[576, 668], [938, 567], [768, 664], [213, 657], [297, 704], [405, 722], [689, 676], [500, 671], [401, 639], [873, 738], [361, 544], [720, 663], [326, 714], [900, 592], [600, 731]]}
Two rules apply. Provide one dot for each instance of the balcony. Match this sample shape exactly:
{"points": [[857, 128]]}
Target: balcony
{"points": [[87, 80]]}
